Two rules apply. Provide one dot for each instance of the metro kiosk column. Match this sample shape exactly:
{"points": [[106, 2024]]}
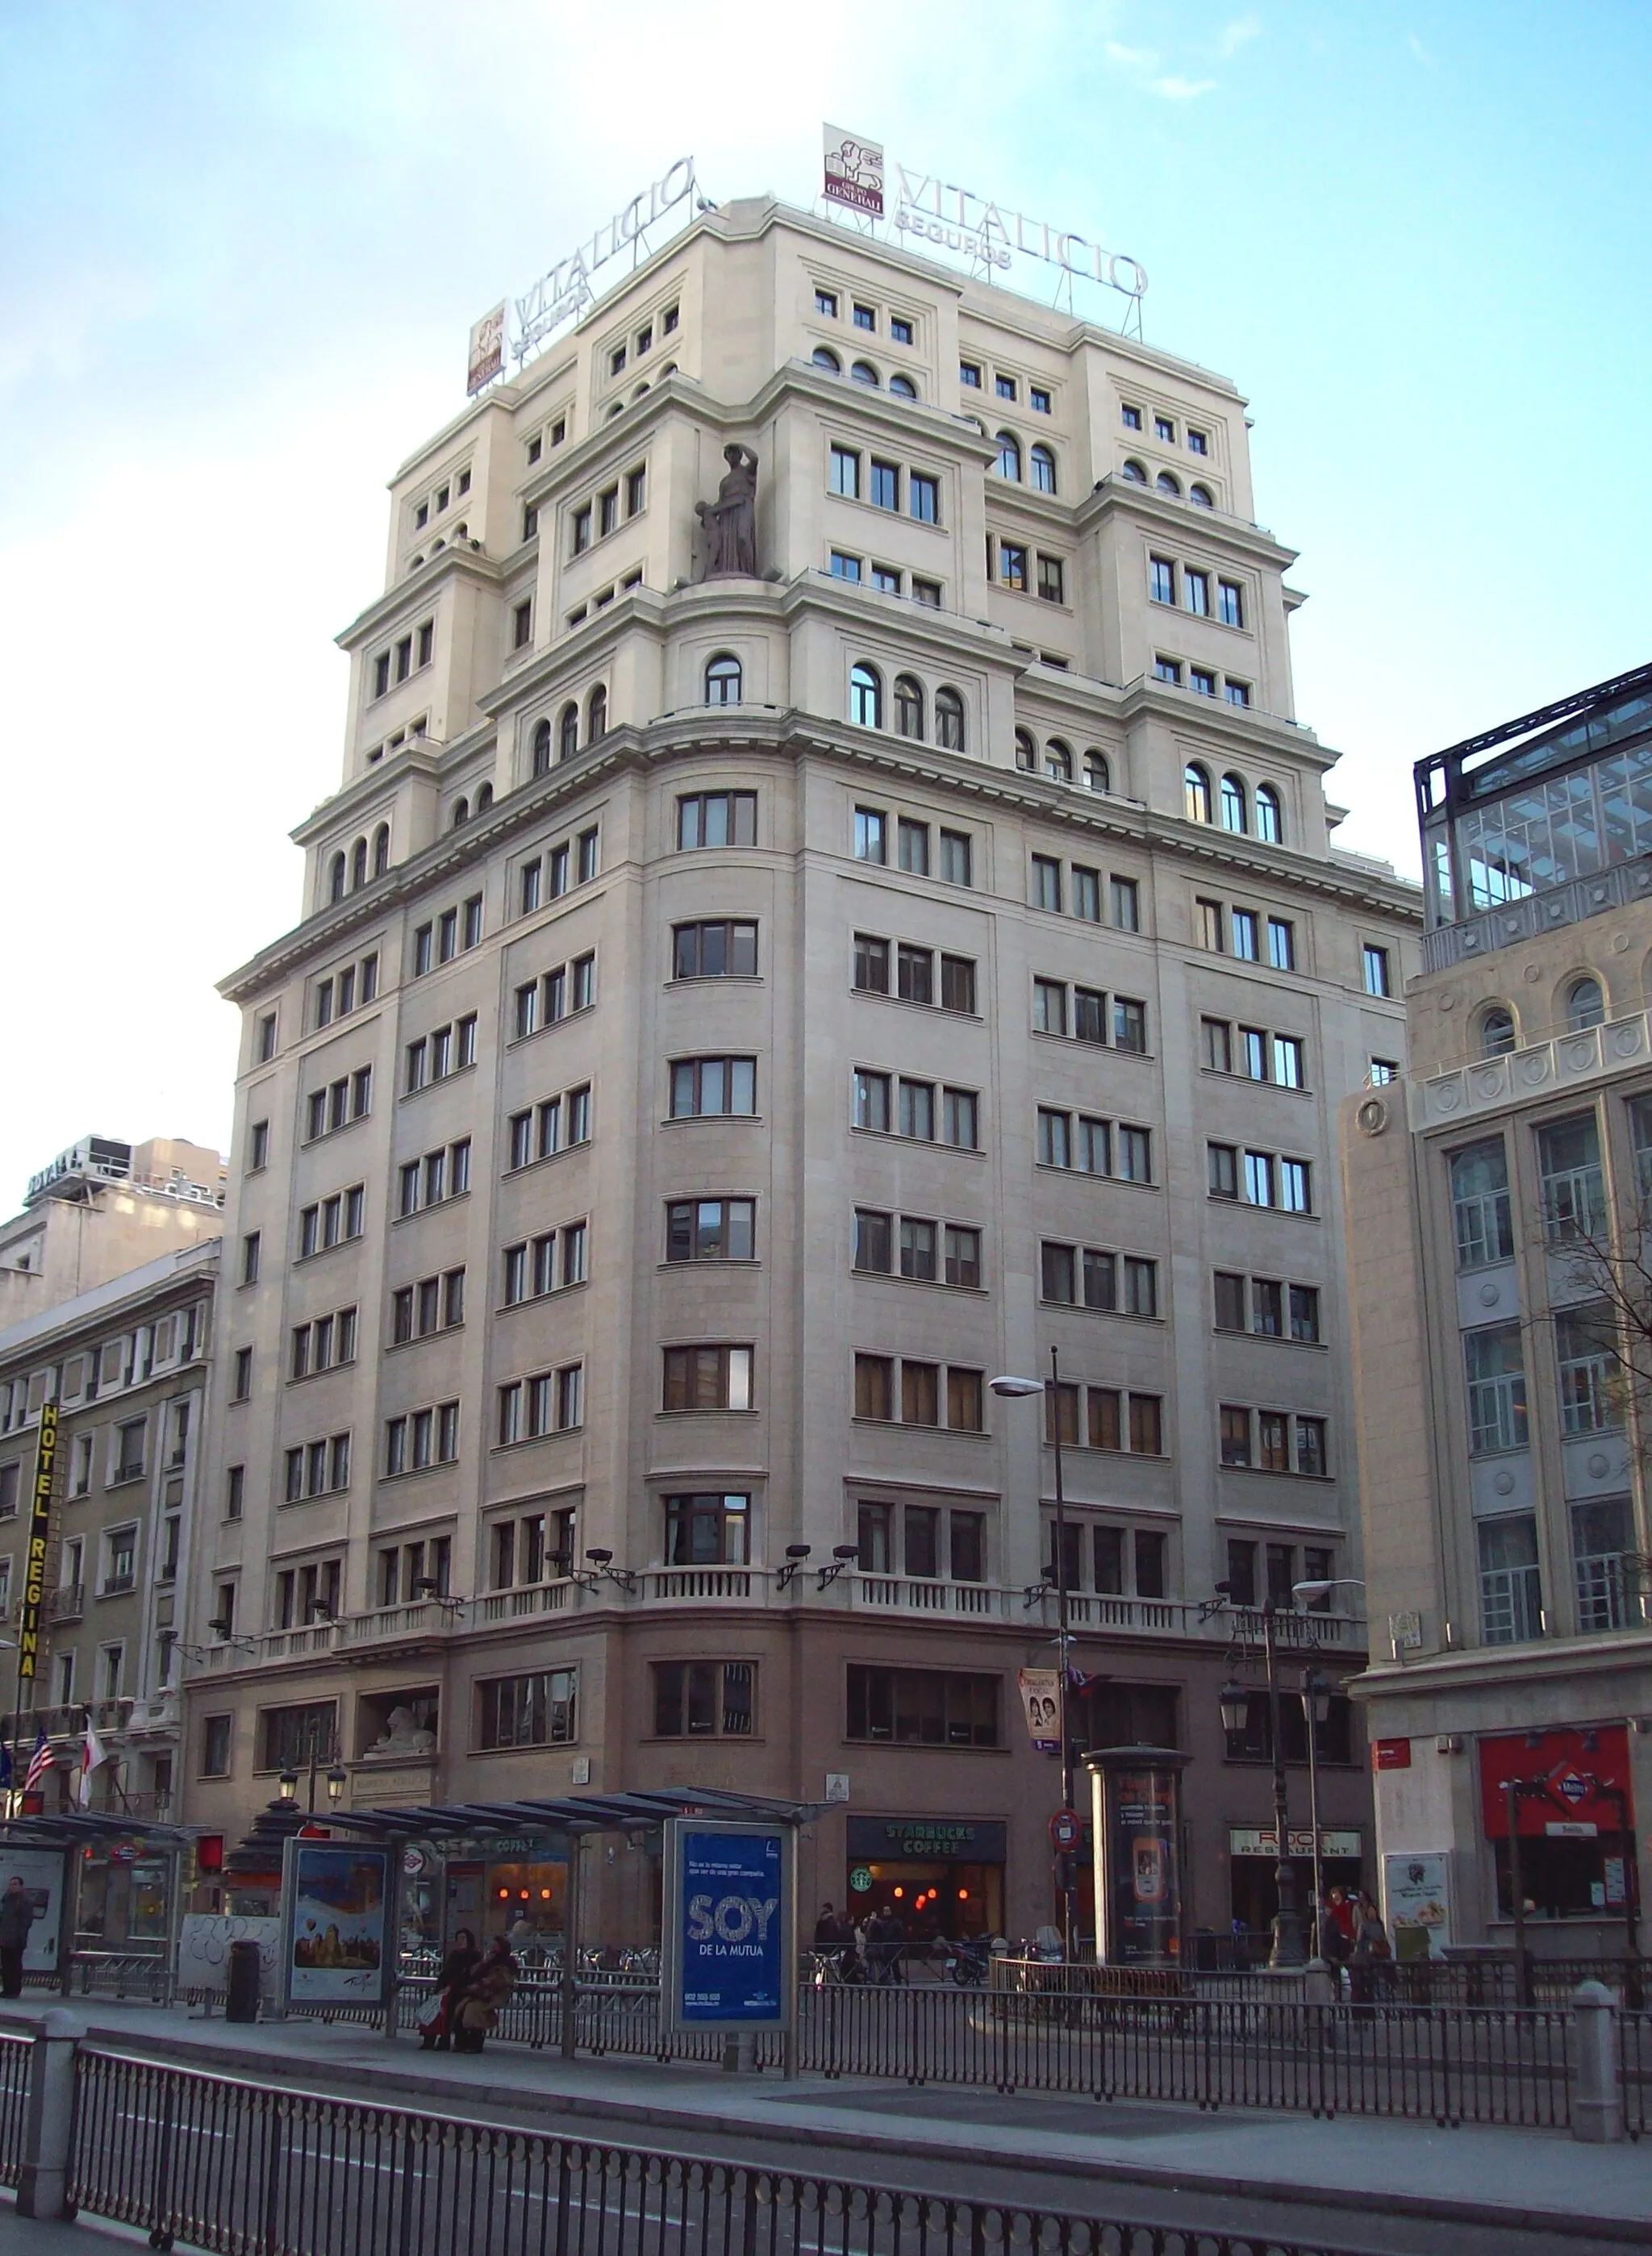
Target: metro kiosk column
{"points": [[730, 1930], [1136, 1827]]}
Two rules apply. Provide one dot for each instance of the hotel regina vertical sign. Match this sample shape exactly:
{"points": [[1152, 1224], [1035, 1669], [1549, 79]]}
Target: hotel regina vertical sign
{"points": [[39, 1536]]}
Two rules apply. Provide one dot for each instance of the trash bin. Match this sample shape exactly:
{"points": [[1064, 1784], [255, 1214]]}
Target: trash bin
{"points": [[241, 2001]]}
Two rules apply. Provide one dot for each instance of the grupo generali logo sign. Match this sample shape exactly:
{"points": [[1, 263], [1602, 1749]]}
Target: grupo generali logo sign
{"points": [[927, 209]]}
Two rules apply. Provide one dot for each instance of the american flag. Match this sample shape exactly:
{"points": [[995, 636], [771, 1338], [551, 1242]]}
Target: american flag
{"points": [[39, 1762]]}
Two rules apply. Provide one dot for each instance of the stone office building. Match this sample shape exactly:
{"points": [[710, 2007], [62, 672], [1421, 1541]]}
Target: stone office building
{"points": [[1497, 1203], [768, 969]]}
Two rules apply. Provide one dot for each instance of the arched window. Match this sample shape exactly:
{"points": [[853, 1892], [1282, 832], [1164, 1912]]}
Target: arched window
{"points": [[1233, 803], [908, 706], [1042, 464], [1270, 821], [597, 714], [484, 797], [460, 813], [1200, 497], [1497, 1031], [823, 356], [358, 864], [723, 679], [949, 720], [1167, 484], [1134, 472], [1096, 774], [670, 368], [1586, 1004], [618, 408], [1009, 456], [542, 748], [1058, 761], [639, 392], [381, 849], [337, 873], [903, 387], [1026, 750], [568, 732], [865, 697], [1195, 793], [862, 371]]}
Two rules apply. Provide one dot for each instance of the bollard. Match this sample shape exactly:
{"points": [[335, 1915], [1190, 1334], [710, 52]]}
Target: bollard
{"points": [[1319, 1983], [43, 2182], [1596, 2094]]}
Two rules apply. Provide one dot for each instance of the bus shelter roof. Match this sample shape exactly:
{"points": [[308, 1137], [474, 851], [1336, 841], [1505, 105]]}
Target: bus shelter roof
{"points": [[580, 1813], [77, 1828]]}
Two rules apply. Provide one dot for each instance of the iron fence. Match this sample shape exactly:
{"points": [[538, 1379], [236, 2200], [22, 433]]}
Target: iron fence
{"points": [[16, 2052], [251, 2172]]}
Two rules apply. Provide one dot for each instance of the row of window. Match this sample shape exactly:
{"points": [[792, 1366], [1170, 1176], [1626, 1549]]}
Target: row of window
{"points": [[1259, 1178], [862, 371], [565, 739], [1167, 483], [1233, 931], [864, 316], [447, 936], [127, 1360], [1012, 564], [911, 1245], [1272, 1441], [637, 346], [853, 476], [549, 1263], [555, 995], [1188, 588], [896, 1104], [1094, 1146], [1004, 386], [555, 1124], [1164, 428], [1057, 763], [1202, 680], [1040, 462], [915, 973], [546, 876], [955, 864], [1585, 1006], [351, 987], [1082, 1014], [417, 1440], [1088, 1277], [345, 875], [594, 519], [444, 1051], [403, 658], [1077, 891], [1252, 1053], [1260, 815], [885, 580]]}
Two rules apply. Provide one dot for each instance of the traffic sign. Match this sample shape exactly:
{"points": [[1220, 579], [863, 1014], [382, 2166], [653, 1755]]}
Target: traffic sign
{"points": [[1065, 1831]]}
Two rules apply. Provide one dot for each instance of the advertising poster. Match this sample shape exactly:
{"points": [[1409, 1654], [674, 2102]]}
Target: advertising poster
{"points": [[1141, 1887], [1040, 1698], [41, 1872], [486, 354], [203, 1951], [338, 1909], [1418, 1892], [729, 1949]]}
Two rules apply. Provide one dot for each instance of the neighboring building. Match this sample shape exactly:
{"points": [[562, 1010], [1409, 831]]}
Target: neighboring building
{"points": [[127, 1363], [732, 1019], [104, 1208], [1496, 1211]]}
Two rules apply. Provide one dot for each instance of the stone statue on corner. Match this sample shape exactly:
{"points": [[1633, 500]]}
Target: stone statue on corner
{"points": [[729, 522]]}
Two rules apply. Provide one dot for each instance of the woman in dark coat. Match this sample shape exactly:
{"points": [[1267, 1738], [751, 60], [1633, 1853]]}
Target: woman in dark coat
{"points": [[458, 1970]]}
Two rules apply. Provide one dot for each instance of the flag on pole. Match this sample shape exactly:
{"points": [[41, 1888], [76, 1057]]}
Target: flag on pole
{"points": [[39, 1762], [91, 1755]]}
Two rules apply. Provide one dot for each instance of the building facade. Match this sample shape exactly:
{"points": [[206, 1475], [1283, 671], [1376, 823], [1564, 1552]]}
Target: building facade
{"points": [[126, 1366], [768, 969], [100, 1210], [1496, 1205]]}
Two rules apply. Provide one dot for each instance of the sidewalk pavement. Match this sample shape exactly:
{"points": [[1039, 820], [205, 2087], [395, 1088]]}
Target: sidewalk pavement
{"points": [[1541, 2182]]}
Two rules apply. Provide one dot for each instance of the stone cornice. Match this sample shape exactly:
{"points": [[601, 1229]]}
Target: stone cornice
{"points": [[1494, 1669], [785, 732], [410, 595], [1113, 495]]}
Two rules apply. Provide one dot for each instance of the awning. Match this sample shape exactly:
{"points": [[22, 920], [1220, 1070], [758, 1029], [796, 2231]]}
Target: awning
{"points": [[72, 1828], [581, 1813]]}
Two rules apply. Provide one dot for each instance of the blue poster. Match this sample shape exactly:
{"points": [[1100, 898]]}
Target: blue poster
{"points": [[732, 1964]]}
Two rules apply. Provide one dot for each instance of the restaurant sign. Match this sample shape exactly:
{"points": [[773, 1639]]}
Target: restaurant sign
{"points": [[978, 1841], [1263, 1841]]}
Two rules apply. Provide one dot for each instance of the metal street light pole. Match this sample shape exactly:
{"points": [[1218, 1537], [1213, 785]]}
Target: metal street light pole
{"points": [[1287, 1941], [1050, 1389], [1316, 1709]]}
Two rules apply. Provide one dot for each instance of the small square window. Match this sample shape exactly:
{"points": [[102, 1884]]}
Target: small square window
{"points": [[1131, 418], [1004, 386], [865, 317], [1038, 399], [900, 329], [1164, 429], [970, 374], [1197, 443], [826, 303]]}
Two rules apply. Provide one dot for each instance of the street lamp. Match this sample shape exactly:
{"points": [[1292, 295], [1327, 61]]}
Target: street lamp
{"points": [[1015, 1389], [1322, 1587], [1315, 1711], [338, 1780], [1234, 1704]]}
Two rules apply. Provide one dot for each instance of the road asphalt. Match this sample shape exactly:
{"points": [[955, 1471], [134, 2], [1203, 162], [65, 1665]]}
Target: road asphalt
{"points": [[1390, 2188]]}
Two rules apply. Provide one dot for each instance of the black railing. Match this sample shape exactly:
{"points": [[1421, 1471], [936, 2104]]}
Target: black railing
{"points": [[15, 2055], [229, 2167]]}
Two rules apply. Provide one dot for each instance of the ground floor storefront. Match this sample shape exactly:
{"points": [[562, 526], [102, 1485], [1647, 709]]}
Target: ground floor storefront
{"points": [[911, 1736], [1526, 1768]]}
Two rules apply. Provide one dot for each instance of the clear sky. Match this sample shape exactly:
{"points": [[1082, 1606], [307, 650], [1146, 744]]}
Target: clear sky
{"points": [[241, 246]]}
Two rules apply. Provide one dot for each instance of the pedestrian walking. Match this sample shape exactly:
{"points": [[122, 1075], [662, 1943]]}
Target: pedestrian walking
{"points": [[17, 1917], [458, 1970], [1369, 1961]]}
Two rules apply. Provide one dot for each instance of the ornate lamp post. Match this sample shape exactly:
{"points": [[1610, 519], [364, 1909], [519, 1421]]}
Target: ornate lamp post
{"points": [[1234, 1701]]}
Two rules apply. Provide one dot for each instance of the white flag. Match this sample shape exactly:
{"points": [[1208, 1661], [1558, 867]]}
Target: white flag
{"points": [[91, 1755]]}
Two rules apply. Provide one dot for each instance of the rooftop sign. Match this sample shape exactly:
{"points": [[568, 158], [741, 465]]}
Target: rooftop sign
{"points": [[930, 210], [565, 289]]}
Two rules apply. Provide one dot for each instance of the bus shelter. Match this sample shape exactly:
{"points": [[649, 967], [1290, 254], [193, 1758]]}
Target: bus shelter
{"points": [[498, 1866], [107, 1893]]}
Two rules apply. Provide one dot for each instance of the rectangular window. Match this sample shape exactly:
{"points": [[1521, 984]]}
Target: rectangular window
{"points": [[1230, 603], [1195, 592], [704, 1699], [1012, 564], [1049, 1006], [915, 973], [1167, 669], [1230, 1301], [965, 1400], [1051, 580], [1212, 931], [1235, 1435], [915, 1707], [724, 949], [1046, 882], [717, 818], [1244, 923], [843, 566], [1287, 1061], [1305, 1314], [1494, 1371], [706, 1230], [845, 472], [1376, 962], [708, 1530], [913, 846], [1222, 1165], [1058, 1274], [874, 1387], [1311, 1460], [1570, 1181], [871, 834], [885, 485], [1161, 579], [707, 1378], [1281, 943], [872, 1101], [923, 499], [534, 1711], [959, 1118], [1054, 1144], [873, 1252], [957, 984], [917, 1110], [701, 1086], [1086, 893], [962, 1250], [1216, 1045], [1126, 902]]}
